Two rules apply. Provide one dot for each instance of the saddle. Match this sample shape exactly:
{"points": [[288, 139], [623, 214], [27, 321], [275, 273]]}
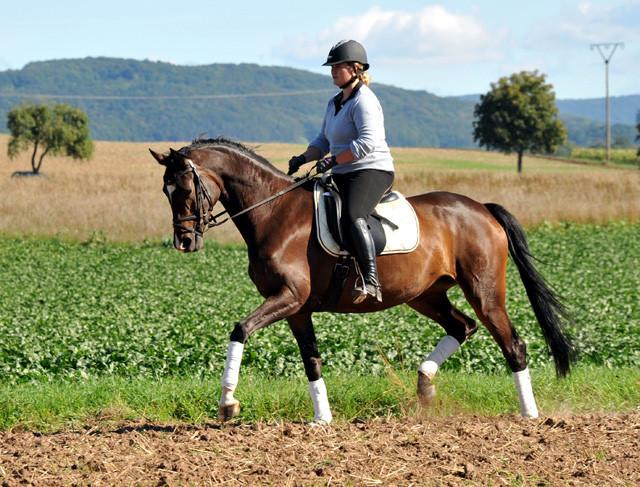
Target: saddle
{"points": [[394, 225], [394, 228]]}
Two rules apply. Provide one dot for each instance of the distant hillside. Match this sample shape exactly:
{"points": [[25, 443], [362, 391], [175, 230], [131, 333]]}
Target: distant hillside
{"points": [[130, 100], [623, 109]]}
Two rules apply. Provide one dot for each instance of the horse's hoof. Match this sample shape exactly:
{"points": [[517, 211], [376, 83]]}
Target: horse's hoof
{"points": [[319, 422], [426, 389], [228, 412]]}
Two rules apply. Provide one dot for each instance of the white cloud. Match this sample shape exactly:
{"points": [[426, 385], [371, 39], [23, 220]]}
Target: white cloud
{"points": [[587, 23], [428, 37]]}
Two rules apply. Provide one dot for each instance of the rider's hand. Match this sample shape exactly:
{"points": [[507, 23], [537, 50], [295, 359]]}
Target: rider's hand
{"points": [[295, 163], [325, 164]]}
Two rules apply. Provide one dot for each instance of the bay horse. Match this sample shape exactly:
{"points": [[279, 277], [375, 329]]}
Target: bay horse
{"points": [[462, 242]]}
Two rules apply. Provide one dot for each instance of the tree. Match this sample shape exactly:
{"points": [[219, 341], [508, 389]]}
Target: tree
{"points": [[519, 114], [621, 142], [60, 130]]}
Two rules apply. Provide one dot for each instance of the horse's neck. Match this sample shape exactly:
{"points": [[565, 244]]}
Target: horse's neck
{"points": [[247, 182]]}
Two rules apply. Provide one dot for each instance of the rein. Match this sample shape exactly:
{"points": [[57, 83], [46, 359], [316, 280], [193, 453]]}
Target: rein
{"points": [[202, 194]]}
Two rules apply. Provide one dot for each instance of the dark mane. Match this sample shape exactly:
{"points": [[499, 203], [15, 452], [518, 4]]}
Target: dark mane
{"points": [[201, 143]]}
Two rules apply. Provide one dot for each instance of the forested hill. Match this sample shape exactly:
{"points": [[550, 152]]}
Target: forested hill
{"points": [[130, 100]]}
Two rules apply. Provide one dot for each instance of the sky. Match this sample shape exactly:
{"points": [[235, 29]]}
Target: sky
{"points": [[448, 48]]}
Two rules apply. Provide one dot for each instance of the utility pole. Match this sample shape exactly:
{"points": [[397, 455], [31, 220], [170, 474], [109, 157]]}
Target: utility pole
{"points": [[606, 56]]}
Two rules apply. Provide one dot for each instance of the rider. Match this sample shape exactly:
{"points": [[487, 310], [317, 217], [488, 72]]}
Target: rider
{"points": [[361, 163]]}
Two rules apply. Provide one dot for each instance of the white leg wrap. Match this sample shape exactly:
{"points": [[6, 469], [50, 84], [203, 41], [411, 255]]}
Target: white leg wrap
{"points": [[232, 366], [528, 407], [318, 391], [445, 349]]}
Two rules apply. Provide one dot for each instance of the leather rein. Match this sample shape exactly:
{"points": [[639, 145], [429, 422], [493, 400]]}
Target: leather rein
{"points": [[201, 216]]}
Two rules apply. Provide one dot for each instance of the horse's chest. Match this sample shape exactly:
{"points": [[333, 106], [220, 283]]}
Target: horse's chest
{"points": [[265, 274]]}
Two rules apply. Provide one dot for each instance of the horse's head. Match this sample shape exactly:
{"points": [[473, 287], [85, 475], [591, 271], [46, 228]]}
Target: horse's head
{"points": [[190, 197]]}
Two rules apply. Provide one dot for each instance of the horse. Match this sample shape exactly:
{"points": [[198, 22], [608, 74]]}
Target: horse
{"points": [[462, 242]]}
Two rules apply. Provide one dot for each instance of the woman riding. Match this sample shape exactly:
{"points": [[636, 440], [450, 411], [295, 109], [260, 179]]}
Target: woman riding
{"points": [[361, 164]]}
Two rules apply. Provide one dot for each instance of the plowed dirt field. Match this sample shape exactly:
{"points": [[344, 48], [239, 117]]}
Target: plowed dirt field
{"points": [[584, 449]]}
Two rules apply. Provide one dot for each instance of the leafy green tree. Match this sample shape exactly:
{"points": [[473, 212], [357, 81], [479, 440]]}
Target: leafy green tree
{"points": [[60, 130], [519, 114], [621, 142]]}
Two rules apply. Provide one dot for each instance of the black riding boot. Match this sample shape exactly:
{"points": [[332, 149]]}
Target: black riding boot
{"points": [[365, 254]]}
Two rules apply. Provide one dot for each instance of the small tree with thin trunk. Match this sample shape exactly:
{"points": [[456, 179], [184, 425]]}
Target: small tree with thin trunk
{"points": [[519, 114], [60, 130]]}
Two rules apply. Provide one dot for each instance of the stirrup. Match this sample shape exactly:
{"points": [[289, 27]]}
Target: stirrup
{"points": [[366, 291]]}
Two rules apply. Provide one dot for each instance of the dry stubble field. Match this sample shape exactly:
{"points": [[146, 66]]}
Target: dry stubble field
{"points": [[118, 195]]}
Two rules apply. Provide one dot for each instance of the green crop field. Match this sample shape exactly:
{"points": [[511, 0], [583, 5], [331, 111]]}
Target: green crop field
{"points": [[79, 311]]}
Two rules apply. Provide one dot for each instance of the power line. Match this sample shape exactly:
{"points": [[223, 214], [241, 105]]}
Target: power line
{"points": [[165, 97], [606, 56]]}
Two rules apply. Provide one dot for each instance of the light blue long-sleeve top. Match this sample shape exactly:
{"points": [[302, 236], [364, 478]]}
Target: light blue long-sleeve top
{"points": [[359, 126]]}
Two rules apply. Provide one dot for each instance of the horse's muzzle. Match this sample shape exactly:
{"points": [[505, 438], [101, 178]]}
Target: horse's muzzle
{"points": [[187, 243]]}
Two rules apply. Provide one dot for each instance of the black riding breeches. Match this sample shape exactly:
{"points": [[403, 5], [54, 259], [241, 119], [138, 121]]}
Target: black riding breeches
{"points": [[361, 191]]}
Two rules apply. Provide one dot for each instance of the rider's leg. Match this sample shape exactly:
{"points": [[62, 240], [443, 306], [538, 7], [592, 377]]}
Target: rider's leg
{"points": [[361, 191], [365, 253]]}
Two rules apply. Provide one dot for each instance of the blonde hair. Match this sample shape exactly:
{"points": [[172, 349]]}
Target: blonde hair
{"points": [[362, 74]]}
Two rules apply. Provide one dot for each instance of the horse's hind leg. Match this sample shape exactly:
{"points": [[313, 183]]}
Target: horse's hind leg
{"points": [[302, 328], [458, 326], [486, 294]]}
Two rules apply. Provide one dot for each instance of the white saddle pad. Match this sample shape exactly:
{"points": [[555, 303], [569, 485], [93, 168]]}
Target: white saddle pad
{"points": [[401, 241]]}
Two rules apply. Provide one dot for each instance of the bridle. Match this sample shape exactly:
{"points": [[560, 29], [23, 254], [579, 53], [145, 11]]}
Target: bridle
{"points": [[202, 196]]}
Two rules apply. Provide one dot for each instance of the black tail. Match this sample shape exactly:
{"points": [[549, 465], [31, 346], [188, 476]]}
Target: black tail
{"points": [[546, 305]]}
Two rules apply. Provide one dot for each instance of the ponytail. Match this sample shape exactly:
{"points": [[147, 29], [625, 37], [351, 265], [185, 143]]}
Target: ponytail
{"points": [[362, 75]]}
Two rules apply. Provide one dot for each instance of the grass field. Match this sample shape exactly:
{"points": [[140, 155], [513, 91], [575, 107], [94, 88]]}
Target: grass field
{"points": [[63, 405], [101, 318]]}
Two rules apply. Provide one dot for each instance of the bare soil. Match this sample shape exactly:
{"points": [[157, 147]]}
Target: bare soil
{"points": [[583, 449]]}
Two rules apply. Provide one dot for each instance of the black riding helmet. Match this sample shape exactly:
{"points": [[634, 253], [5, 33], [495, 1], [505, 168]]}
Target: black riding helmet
{"points": [[347, 51]]}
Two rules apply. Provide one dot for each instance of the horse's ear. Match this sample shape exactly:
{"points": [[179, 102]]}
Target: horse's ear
{"points": [[161, 158], [179, 159]]}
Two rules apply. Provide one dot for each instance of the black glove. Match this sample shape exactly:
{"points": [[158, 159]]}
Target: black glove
{"points": [[325, 164], [295, 163]]}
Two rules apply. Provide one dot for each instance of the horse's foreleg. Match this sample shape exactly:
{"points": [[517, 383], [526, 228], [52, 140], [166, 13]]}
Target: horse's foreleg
{"points": [[271, 310], [229, 406], [302, 328]]}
